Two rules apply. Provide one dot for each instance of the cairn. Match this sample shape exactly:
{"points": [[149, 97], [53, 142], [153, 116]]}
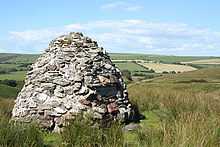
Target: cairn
{"points": [[73, 76]]}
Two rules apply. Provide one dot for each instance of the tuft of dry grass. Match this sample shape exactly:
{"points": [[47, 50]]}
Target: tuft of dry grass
{"points": [[6, 106]]}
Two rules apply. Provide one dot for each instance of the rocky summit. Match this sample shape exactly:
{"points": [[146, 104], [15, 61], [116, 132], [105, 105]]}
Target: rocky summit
{"points": [[73, 76]]}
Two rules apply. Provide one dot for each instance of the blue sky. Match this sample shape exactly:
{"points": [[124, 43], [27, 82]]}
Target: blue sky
{"points": [[171, 27]]}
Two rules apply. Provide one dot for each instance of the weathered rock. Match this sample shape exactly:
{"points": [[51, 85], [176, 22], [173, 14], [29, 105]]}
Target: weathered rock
{"points": [[131, 127], [74, 75]]}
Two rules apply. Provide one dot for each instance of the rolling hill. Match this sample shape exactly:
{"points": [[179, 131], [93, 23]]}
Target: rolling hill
{"points": [[29, 58], [204, 61]]}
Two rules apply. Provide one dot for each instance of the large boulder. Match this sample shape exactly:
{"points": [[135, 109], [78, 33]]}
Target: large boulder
{"points": [[73, 76]]}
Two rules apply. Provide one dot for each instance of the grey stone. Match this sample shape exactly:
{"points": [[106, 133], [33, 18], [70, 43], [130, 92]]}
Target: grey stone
{"points": [[60, 110], [99, 110], [42, 97], [77, 86], [108, 66], [130, 127], [59, 92], [60, 81]]}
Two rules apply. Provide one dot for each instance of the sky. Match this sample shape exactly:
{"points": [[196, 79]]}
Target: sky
{"points": [[167, 27]]}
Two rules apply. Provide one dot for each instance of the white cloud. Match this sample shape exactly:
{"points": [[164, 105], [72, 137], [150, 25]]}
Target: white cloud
{"points": [[121, 5], [130, 36], [76, 26]]}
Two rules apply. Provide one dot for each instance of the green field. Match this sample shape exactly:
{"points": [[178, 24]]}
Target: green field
{"points": [[8, 92], [8, 66], [133, 67], [157, 58], [207, 75], [19, 76], [17, 58], [30, 58]]}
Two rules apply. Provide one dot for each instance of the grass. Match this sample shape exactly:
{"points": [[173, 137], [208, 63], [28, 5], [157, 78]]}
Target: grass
{"points": [[178, 114], [30, 58], [181, 110], [17, 58], [160, 67], [8, 66], [18, 76], [208, 74], [161, 58], [19, 135], [81, 133], [200, 66], [133, 67], [8, 92], [205, 61], [6, 106]]}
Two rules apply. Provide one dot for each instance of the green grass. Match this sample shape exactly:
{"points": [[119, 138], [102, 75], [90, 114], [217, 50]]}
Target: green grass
{"points": [[19, 135], [52, 139], [8, 92], [209, 75], [80, 133], [8, 66], [161, 58], [17, 58], [18, 76], [30, 58], [180, 109], [185, 114], [6, 106], [133, 67]]}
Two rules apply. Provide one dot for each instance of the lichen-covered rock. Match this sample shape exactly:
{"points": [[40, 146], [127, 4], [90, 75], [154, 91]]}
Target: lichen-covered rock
{"points": [[74, 75]]}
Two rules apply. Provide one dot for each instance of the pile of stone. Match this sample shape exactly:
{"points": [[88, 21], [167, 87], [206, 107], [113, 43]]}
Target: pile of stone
{"points": [[73, 76]]}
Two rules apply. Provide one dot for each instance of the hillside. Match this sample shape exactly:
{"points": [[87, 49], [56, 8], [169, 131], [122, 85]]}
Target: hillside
{"points": [[184, 105], [29, 58], [204, 61], [17, 58], [211, 75], [14, 66], [161, 67], [158, 58]]}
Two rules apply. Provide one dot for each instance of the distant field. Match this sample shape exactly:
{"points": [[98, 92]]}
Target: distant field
{"points": [[157, 58], [8, 66], [19, 76], [30, 58], [7, 91], [130, 66], [208, 61], [211, 75], [17, 58], [24, 59], [160, 67]]}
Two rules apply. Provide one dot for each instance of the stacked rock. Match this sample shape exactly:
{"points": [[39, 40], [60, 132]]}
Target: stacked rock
{"points": [[74, 75]]}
